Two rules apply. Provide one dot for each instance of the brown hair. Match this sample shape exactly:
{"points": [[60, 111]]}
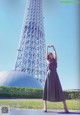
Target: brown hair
{"points": [[48, 56]]}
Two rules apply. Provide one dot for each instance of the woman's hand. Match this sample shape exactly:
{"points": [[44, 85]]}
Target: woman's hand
{"points": [[51, 46]]}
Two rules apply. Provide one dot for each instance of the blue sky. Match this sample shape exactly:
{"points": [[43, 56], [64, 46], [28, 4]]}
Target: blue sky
{"points": [[61, 30]]}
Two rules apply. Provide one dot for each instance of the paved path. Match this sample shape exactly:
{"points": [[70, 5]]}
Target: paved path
{"points": [[40, 112]]}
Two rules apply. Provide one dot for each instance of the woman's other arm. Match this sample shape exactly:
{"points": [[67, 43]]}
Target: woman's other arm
{"points": [[55, 53]]}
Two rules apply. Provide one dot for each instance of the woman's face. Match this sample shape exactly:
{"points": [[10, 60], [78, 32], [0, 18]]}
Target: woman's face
{"points": [[51, 56]]}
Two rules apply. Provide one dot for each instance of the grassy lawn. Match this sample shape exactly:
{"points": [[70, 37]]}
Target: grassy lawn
{"points": [[38, 104]]}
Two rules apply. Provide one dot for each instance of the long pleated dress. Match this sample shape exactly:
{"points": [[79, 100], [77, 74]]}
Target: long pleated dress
{"points": [[52, 89]]}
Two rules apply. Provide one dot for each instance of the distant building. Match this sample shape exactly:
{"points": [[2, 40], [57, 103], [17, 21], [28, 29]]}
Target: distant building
{"points": [[19, 79]]}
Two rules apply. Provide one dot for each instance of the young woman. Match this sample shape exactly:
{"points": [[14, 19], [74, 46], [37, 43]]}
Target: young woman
{"points": [[52, 89]]}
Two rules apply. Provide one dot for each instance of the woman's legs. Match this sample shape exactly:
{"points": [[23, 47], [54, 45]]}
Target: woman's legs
{"points": [[65, 106], [45, 105], [64, 103]]}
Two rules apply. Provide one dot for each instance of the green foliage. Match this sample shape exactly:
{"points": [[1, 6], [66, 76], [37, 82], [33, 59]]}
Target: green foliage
{"points": [[29, 93], [17, 92], [72, 94]]}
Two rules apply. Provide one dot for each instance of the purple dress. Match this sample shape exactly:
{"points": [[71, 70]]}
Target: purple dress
{"points": [[52, 89]]}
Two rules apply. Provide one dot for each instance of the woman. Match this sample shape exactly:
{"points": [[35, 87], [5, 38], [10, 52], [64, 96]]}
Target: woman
{"points": [[53, 90]]}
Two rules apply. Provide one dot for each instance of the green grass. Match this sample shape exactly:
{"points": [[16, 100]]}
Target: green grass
{"points": [[38, 104]]}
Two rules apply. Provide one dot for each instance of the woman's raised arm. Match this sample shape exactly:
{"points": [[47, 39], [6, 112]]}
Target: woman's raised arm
{"points": [[47, 49], [55, 52]]}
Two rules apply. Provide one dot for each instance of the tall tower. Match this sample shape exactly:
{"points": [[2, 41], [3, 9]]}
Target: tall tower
{"points": [[32, 50]]}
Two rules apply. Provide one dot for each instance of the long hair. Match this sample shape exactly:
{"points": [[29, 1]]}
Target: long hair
{"points": [[48, 56]]}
